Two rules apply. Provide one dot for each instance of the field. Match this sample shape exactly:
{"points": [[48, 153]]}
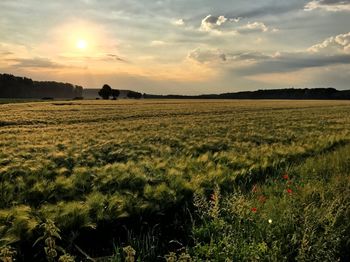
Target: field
{"points": [[177, 180], [19, 100]]}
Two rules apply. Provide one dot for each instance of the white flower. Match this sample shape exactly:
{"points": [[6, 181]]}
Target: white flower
{"points": [[270, 221]]}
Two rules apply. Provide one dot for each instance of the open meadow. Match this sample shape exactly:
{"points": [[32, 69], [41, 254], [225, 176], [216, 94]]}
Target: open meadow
{"points": [[175, 180]]}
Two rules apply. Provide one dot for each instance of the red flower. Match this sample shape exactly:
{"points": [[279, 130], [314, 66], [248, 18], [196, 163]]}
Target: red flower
{"points": [[254, 209], [289, 191], [285, 176]]}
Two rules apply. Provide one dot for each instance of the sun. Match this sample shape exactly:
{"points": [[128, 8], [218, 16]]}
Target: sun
{"points": [[81, 44]]}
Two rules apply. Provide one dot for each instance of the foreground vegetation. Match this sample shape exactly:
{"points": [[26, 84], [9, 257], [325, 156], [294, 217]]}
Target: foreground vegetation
{"points": [[175, 180]]}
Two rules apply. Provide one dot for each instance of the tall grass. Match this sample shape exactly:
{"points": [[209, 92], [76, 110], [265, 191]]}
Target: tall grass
{"points": [[302, 215]]}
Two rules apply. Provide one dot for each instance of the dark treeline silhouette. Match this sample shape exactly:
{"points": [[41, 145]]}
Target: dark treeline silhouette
{"points": [[289, 93], [133, 94], [106, 91], [22, 87]]}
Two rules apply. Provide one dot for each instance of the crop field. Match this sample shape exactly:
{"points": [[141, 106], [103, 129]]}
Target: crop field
{"points": [[11, 101], [175, 180]]}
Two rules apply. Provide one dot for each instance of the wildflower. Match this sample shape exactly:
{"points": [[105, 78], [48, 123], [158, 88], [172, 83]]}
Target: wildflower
{"points": [[285, 176], [262, 199], [254, 209], [255, 189], [270, 221], [289, 191]]}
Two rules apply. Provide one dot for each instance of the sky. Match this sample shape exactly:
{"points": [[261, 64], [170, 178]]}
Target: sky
{"points": [[178, 46]]}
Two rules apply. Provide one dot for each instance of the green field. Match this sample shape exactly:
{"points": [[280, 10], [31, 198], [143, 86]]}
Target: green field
{"points": [[175, 180]]}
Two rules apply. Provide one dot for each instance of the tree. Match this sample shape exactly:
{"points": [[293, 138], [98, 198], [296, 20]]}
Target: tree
{"points": [[22, 87], [105, 92], [78, 91], [115, 93], [133, 94]]}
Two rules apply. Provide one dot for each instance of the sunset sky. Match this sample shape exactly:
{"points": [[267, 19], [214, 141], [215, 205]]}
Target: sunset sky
{"points": [[178, 46]]}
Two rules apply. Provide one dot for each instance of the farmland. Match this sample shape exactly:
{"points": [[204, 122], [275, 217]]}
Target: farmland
{"points": [[177, 180]]}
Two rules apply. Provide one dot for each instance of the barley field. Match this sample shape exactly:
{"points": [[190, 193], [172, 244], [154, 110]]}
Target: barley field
{"points": [[175, 180]]}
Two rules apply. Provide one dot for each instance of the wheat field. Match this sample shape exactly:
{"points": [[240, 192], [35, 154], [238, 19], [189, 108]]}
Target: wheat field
{"points": [[224, 180]]}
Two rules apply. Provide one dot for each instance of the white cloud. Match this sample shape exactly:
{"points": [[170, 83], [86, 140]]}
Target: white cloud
{"points": [[251, 27], [328, 5], [157, 43], [255, 26], [333, 44], [222, 24], [212, 22], [179, 22], [207, 56]]}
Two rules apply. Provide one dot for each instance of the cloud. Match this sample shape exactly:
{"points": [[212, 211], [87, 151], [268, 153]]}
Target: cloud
{"points": [[328, 5], [157, 43], [212, 22], [220, 24], [333, 44], [276, 8], [253, 56], [207, 56], [254, 27], [36, 63], [290, 62], [117, 58], [6, 53], [217, 23], [179, 22], [333, 51]]}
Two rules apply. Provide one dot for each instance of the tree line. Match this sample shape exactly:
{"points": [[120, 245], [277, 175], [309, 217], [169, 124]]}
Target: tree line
{"points": [[289, 93], [22, 87]]}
